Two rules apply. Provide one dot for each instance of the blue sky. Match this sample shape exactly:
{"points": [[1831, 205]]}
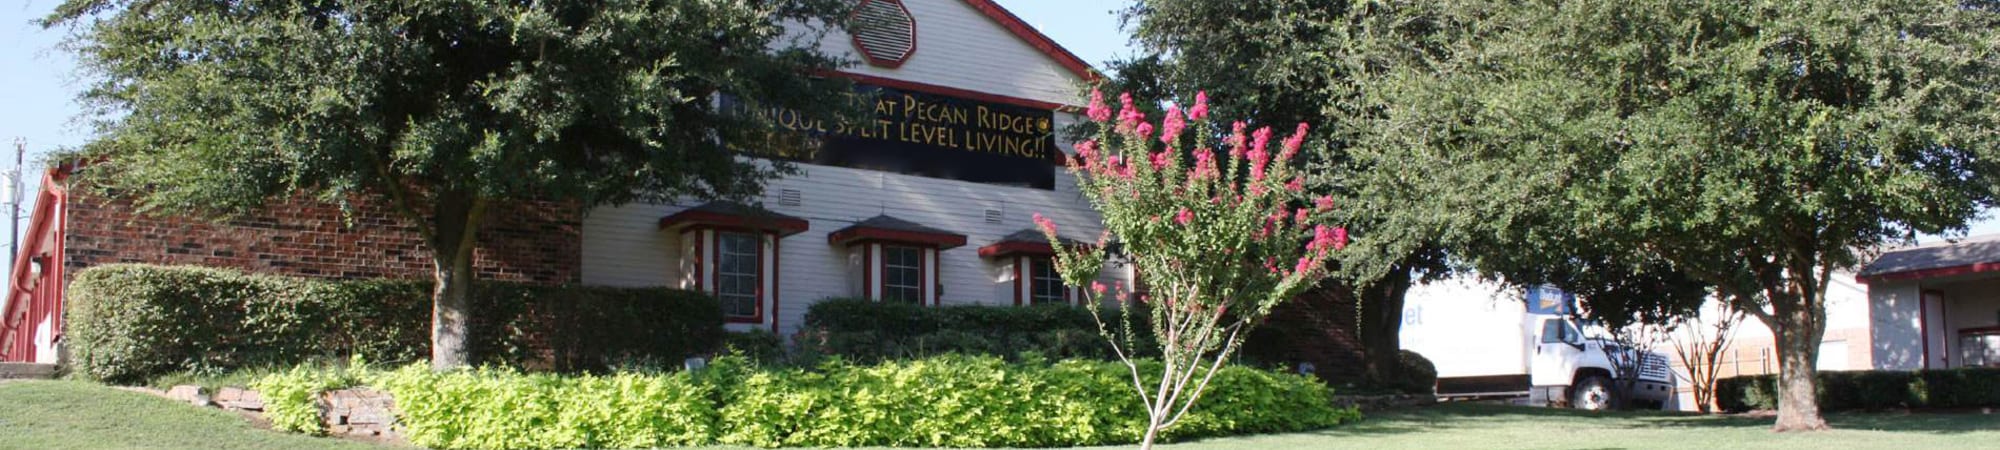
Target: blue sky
{"points": [[38, 82]]}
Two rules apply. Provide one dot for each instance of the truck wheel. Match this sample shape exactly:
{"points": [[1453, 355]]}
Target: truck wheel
{"points": [[1592, 393]]}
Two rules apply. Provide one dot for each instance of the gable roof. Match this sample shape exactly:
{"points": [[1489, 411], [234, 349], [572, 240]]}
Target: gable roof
{"points": [[727, 214], [891, 229], [1976, 254], [1036, 39]]}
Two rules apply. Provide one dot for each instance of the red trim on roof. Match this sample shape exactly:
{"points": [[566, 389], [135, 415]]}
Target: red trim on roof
{"points": [[785, 226], [861, 234], [1036, 39], [1936, 272], [34, 297]]}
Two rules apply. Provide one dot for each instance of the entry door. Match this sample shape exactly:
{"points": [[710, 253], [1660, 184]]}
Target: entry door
{"points": [[1937, 337], [1556, 351]]}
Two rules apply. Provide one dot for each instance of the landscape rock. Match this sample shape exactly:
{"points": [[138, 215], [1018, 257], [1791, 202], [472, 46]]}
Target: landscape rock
{"points": [[358, 412], [192, 394], [239, 399]]}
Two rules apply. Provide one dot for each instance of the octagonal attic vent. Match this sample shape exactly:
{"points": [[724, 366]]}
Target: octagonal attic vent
{"points": [[884, 32]]}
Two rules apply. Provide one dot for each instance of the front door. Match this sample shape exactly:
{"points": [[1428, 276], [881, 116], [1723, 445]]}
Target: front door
{"points": [[1556, 352]]}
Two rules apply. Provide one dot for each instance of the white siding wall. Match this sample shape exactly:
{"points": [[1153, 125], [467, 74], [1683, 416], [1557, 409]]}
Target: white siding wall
{"points": [[957, 46], [623, 246], [1896, 326]]}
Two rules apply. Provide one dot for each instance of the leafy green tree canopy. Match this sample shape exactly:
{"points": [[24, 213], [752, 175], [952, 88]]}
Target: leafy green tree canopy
{"points": [[1279, 62], [1753, 146], [440, 107]]}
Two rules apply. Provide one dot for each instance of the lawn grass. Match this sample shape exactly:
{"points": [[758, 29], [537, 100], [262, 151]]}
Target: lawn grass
{"points": [[69, 414], [1485, 426]]}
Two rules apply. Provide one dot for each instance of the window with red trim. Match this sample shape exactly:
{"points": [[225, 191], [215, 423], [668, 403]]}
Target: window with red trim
{"points": [[1045, 285], [903, 274], [738, 273]]}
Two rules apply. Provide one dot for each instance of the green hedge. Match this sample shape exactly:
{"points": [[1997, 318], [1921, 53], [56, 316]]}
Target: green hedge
{"points": [[1419, 375], [869, 331], [1870, 390], [127, 323], [578, 329], [950, 401]]}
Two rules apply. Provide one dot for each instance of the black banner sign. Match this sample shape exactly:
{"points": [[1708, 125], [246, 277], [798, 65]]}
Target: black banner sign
{"points": [[933, 136]]}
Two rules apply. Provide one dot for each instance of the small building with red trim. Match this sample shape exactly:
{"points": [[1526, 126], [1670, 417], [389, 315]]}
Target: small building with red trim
{"points": [[1936, 306], [931, 204]]}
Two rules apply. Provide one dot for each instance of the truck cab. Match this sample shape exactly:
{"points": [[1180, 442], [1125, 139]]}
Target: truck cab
{"points": [[1531, 347], [1575, 364]]}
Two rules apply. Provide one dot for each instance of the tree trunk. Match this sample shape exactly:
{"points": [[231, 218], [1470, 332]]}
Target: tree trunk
{"points": [[457, 225], [1799, 310], [451, 313], [1381, 326], [1152, 433], [1798, 374]]}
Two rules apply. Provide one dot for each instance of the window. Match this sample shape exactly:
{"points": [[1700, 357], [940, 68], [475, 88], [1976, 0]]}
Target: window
{"points": [[1044, 284], [1558, 331], [738, 273], [902, 274], [1979, 348]]}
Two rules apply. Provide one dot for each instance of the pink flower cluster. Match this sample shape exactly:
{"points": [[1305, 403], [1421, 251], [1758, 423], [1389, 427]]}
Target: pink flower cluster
{"points": [[1047, 226], [1137, 147], [1129, 116], [1170, 128]]}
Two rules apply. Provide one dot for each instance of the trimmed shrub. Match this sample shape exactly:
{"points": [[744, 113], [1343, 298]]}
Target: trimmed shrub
{"points": [[1419, 375], [290, 397], [758, 345], [129, 322], [591, 329], [1871, 390], [952, 401], [506, 409], [869, 331]]}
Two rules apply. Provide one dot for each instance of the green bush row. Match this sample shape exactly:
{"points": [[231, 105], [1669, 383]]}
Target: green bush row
{"points": [[870, 331], [948, 401], [128, 323], [1873, 389]]}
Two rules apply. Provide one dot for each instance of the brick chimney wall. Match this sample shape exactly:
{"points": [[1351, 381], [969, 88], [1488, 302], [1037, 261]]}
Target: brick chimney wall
{"points": [[536, 242]]}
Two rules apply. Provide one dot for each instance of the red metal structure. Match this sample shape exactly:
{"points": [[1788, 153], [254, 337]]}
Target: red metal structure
{"points": [[34, 301]]}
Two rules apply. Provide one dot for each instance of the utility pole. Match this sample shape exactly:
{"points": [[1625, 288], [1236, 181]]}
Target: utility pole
{"points": [[13, 193]]}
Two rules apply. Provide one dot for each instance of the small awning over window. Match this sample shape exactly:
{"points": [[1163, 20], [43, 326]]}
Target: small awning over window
{"points": [[1027, 242], [731, 215], [890, 229]]}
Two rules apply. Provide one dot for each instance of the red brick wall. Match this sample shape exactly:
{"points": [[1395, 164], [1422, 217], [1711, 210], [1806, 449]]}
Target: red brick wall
{"points": [[1316, 327], [535, 242]]}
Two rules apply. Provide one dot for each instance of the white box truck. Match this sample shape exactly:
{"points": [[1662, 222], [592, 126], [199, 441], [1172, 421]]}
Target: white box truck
{"points": [[1488, 341]]}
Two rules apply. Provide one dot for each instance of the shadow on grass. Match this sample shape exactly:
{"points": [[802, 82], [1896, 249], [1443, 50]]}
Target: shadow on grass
{"points": [[1473, 416]]}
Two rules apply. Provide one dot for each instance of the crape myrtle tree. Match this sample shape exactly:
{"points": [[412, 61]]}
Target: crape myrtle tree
{"points": [[1753, 146], [1279, 62], [441, 108], [1222, 231], [1700, 347]]}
